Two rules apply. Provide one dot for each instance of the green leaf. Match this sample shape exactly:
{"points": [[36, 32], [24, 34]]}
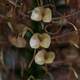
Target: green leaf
{"points": [[36, 26], [37, 71], [34, 3], [28, 35]]}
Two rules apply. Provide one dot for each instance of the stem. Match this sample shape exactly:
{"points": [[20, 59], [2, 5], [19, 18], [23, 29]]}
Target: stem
{"points": [[45, 68], [31, 77], [42, 26], [1, 57], [32, 59], [51, 76], [67, 16], [41, 3], [37, 2], [48, 73], [74, 71], [10, 26]]}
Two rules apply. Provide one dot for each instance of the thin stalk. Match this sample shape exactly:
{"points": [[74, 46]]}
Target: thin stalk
{"points": [[31, 78], [32, 60], [10, 26], [37, 2], [41, 2], [74, 71]]}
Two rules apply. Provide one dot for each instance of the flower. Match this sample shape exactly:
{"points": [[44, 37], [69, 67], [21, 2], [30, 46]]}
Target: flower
{"points": [[40, 13], [44, 57], [21, 29], [40, 40], [19, 42]]}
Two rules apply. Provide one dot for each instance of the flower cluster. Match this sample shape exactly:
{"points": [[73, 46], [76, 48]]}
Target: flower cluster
{"points": [[42, 41]]}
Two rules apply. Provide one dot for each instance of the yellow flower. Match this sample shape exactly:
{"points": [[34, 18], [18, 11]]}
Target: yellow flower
{"points": [[41, 13], [40, 40], [44, 57]]}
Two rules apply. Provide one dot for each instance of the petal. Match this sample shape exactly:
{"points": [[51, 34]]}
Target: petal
{"points": [[21, 42], [18, 42], [19, 27], [47, 15], [34, 41], [39, 58], [50, 57], [46, 40], [37, 14]]}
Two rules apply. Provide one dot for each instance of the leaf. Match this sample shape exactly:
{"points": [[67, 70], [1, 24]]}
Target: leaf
{"points": [[36, 27], [34, 3], [37, 71], [28, 35]]}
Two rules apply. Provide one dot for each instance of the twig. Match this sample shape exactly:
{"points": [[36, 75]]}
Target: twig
{"points": [[62, 35], [72, 14], [55, 37]]}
